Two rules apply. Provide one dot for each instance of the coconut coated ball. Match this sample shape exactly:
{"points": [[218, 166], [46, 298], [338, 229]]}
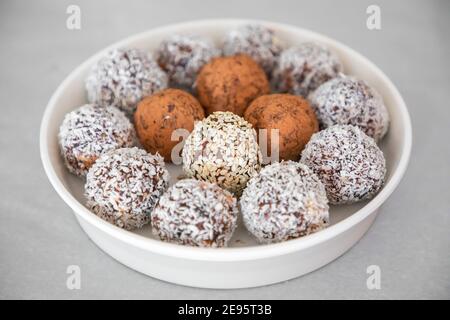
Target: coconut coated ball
{"points": [[347, 161], [182, 57], [286, 200], [222, 149], [123, 77], [124, 185], [230, 84], [300, 70], [347, 100], [159, 115], [195, 213], [257, 41], [88, 132], [290, 115]]}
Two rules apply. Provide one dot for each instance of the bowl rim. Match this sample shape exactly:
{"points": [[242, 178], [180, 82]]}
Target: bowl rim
{"points": [[224, 254]]}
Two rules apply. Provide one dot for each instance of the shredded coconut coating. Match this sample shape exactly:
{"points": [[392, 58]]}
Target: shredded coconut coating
{"points": [[222, 149], [257, 41], [285, 201], [346, 100], [90, 131], [300, 70], [183, 56], [123, 77], [195, 213], [124, 185], [347, 161]]}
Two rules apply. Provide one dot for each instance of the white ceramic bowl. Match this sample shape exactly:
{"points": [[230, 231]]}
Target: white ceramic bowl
{"points": [[244, 263]]}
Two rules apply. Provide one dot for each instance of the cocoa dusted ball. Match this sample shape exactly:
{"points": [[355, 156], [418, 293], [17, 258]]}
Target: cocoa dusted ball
{"points": [[183, 56], [159, 115], [347, 161], [300, 70], [347, 100], [291, 115], [195, 213], [231, 84]]}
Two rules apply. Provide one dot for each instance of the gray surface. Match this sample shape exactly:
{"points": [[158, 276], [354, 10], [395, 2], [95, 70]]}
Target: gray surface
{"points": [[39, 236]]}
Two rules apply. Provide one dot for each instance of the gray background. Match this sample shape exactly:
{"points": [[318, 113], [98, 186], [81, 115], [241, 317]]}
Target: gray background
{"points": [[39, 236]]}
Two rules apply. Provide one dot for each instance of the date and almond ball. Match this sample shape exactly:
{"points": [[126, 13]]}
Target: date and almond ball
{"points": [[222, 149], [347, 100], [257, 41], [290, 115], [300, 70], [231, 84], [123, 77], [124, 185], [159, 115], [347, 161], [88, 132], [195, 213], [182, 57], [286, 200]]}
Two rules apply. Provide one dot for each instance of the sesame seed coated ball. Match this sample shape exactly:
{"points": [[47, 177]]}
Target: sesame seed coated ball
{"points": [[123, 77], [124, 185], [347, 100], [182, 57], [195, 213], [347, 161], [300, 70], [90, 131], [257, 41], [286, 200], [222, 149]]}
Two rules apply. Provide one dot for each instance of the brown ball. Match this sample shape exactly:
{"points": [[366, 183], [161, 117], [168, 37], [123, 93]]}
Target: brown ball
{"points": [[158, 115], [291, 115], [231, 84]]}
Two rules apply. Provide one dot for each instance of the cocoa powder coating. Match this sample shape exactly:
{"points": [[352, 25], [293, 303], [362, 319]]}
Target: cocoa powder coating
{"points": [[159, 115], [291, 115], [231, 84]]}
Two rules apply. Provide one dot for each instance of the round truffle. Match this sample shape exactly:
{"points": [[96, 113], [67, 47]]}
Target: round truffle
{"points": [[230, 84], [347, 161], [90, 131], [257, 41], [158, 116], [124, 185], [182, 58], [195, 213], [290, 115], [222, 149], [123, 77], [300, 70], [286, 200], [346, 100]]}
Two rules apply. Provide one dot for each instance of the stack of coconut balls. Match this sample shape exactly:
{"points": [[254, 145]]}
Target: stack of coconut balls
{"points": [[326, 126]]}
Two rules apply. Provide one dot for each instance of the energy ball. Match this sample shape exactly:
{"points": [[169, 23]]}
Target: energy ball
{"points": [[182, 58], [230, 84], [290, 115], [346, 100], [300, 70], [222, 149], [123, 77], [124, 185], [159, 115], [347, 161], [286, 200], [88, 132], [195, 213], [258, 41]]}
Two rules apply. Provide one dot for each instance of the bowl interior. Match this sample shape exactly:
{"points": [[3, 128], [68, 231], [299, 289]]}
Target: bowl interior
{"points": [[71, 94]]}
